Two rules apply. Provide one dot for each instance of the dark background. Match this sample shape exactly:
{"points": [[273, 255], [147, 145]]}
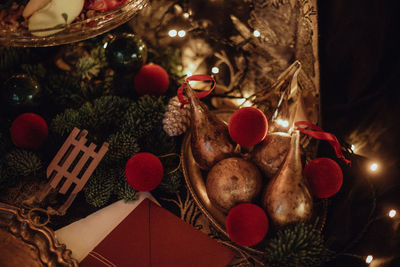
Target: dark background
{"points": [[360, 94]]}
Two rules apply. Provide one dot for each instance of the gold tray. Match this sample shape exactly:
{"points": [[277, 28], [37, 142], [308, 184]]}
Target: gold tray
{"points": [[25, 243], [195, 182]]}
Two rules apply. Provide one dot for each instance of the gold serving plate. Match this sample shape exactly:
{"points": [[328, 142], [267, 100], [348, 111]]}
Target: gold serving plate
{"points": [[24, 242], [195, 182]]}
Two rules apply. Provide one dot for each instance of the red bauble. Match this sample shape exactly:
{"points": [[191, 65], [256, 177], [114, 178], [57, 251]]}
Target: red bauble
{"points": [[29, 131], [151, 79], [325, 177], [246, 224], [248, 126], [144, 171], [103, 5]]}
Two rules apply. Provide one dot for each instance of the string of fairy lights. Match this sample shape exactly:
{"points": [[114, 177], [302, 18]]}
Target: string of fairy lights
{"points": [[373, 167]]}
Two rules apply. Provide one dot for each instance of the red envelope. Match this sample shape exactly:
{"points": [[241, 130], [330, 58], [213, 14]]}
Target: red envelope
{"points": [[152, 236]]}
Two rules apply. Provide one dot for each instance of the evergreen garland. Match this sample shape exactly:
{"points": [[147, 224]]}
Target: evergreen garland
{"points": [[144, 115], [21, 162], [121, 147], [100, 187], [300, 244]]}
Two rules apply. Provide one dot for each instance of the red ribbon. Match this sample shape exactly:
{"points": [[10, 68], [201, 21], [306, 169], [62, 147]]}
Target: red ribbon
{"points": [[318, 133], [199, 94]]}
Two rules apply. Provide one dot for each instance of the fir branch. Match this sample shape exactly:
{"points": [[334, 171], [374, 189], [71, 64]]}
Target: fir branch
{"points": [[100, 187], [22, 163], [300, 244], [121, 147], [144, 115], [65, 122], [171, 182], [108, 109], [122, 189], [158, 142], [87, 67], [64, 90]]}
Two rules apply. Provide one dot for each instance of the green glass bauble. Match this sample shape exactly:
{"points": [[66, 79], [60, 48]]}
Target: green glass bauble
{"points": [[21, 90], [126, 53]]}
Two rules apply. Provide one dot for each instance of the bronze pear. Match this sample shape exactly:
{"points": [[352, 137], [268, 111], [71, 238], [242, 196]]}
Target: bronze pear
{"points": [[270, 154], [287, 198], [210, 141]]}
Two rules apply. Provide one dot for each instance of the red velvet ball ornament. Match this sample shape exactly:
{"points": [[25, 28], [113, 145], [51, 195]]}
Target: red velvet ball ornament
{"points": [[151, 79], [248, 126], [144, 171], [29, 131], [246, 224], [325, 177]]}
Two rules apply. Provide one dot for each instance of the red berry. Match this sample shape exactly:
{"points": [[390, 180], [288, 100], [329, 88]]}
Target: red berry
{"points": [[246, 224], [144, 171], [248, 126], [325, 177], [29, 131], [151, 79]]}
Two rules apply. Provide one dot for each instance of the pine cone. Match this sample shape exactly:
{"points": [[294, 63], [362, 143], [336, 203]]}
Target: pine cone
{"points": [[176, 120]]}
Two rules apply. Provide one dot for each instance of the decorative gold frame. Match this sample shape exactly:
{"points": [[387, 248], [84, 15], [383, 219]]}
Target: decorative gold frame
{"points": [[24, 241]]}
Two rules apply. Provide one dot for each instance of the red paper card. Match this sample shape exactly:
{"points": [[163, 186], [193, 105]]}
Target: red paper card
{"points": [[152, 236]]}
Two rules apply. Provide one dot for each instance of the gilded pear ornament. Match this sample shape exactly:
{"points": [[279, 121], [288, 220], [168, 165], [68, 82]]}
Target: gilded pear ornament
{"points": [[210, 141], [270, 154], [287, 198]]}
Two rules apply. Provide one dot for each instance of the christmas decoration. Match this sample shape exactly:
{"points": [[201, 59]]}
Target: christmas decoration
{"points": [[232, 181], [29, 131], [20, 162], [248, 126], [325, 177], [176, 119], [103, 5], [209, 135], [144, 171], [286, 197], [21, 90], [142, 116], [271, 153], [126, 53], [151, 79], [247, 224], [300, 244]]}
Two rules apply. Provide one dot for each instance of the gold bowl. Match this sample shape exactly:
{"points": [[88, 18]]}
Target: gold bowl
{"points": [[76, 31]]}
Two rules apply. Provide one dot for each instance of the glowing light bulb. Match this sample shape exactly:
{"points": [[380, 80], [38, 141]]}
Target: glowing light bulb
{"points": [[188, 73], [105, 45], [256, 33], [392, 213], [181, 33], [369, 259], [186, 15], [353, 147], [282, 123], [172, 33], [215, 70], [373, 167]]}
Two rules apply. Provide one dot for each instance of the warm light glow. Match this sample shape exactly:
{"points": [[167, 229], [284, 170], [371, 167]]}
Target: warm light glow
{"points": [[392, 213], [105, 45], [181, 33], [369, 259], [353, 147], [172, 33], [186, 15], [215, 70], [282, 123], [256, 33], [373, 167]]}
